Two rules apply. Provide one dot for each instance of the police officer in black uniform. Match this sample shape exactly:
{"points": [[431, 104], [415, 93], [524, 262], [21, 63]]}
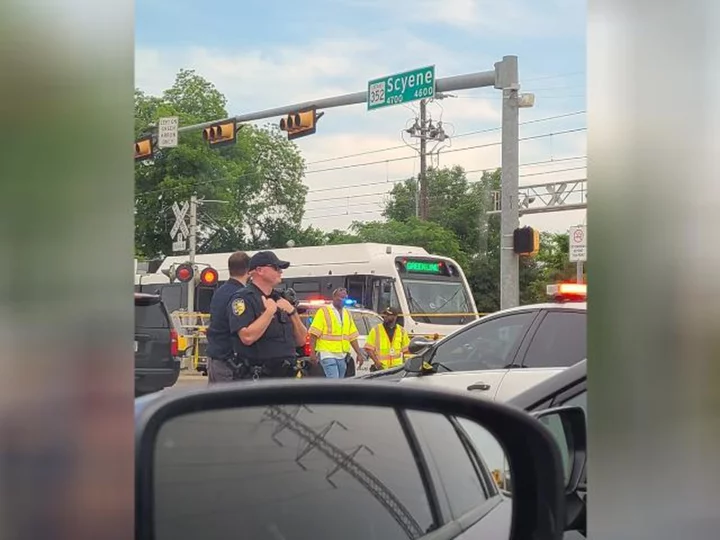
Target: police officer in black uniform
{"points": [[220, 343], [266, 327]]}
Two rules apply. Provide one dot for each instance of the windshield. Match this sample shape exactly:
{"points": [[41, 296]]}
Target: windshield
{"points": [[441, 297]]}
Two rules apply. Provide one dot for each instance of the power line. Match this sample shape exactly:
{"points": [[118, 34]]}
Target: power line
{"points": [[356, 165], [465, 148], [469, 133], [404, 178]]}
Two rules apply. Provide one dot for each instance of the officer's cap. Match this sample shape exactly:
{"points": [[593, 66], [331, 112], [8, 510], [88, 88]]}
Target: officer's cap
{"points": [[391, 311], [267, 258]]}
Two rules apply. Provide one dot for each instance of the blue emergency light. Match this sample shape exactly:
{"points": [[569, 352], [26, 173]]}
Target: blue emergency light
{"points": [[349, 302]]}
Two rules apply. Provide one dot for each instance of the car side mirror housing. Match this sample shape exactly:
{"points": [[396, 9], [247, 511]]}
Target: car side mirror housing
{"points": [[568, 426], [306, 434], [419, 345]]}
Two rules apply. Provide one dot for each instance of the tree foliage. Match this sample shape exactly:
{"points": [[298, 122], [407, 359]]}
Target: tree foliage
{"points": [[259, 179]]}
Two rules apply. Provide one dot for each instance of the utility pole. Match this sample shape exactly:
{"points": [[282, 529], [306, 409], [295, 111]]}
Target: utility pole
{"points": [[192, 241], [423, 161], [424, 130], [507, 81]]}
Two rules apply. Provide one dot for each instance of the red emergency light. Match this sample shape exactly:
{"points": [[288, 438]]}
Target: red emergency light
{"points": [[568, 291], [184, 273], [209, 276]]}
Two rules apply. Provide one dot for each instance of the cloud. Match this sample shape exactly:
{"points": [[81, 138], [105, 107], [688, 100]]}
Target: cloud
{"points": [[341, 190]]}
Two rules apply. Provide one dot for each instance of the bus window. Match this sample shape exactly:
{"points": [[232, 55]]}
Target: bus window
{"points": [[383, 294]]}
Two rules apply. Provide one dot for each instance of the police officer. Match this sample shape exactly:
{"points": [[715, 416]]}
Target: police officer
{"points": [[266, 328], [220, 346]]}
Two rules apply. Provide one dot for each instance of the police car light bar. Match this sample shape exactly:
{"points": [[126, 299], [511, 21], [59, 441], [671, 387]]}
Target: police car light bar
{"points": [[567, 289]]}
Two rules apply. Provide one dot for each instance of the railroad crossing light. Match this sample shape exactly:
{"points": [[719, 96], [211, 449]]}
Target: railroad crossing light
{"points": [[208, 277], [300, 124], [526, 241], [221, 134], [184, 273], [144, 148]]}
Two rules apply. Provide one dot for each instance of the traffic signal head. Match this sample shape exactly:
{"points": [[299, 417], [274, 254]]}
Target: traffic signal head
{"points": [[144, 148], [221, 134], [526, 241], [300, 124]]}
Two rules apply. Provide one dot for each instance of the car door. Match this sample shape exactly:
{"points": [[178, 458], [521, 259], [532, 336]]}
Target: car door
{"points": [[558, 342], [479, 357]]}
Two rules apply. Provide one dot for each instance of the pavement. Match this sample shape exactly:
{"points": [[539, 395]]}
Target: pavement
{"points": [[188, 378]]}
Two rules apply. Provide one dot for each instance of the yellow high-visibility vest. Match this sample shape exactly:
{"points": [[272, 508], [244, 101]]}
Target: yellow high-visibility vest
{"points": [[333, 336], [389, 354]]}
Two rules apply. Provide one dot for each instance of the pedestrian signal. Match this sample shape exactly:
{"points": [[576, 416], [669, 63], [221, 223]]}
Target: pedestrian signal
{"points": [[526, 241], [300, 124], [221, 134], [144, 148]]}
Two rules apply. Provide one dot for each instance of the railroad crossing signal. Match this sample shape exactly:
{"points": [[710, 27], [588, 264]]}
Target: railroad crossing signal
{"points": [[144, 148], [300, 124], [526, 241], [221, 134]]}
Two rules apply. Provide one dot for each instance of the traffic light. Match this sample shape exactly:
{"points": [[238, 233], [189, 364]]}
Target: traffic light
{"points": [[144, 148], [221, 134], [300, 124], [526, 241]]}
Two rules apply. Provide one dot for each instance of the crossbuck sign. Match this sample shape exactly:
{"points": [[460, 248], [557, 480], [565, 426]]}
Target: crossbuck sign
{"points": [[180, 229]]}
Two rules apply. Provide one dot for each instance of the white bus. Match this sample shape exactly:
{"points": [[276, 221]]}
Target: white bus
{"points": [[431, 291]]}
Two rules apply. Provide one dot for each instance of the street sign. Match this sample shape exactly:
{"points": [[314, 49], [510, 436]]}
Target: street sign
{"points": [[401, 88], [168, 132], [180, 224], [179, 244], [578, 244]]}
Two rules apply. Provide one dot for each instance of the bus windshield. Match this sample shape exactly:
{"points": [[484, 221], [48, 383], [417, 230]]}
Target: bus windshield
{"points": [[448, 299]]}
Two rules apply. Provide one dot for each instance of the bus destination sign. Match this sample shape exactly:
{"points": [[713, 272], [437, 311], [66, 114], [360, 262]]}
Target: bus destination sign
{"points": [[424, 267]]}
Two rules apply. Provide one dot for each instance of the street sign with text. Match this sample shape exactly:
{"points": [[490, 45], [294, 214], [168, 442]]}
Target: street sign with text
{"points": [[401, 88], [168, 132], [578, 244]]}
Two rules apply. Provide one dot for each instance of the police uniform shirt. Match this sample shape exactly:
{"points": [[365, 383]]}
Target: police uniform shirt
{"points": [[278, 341], [220, 343]]}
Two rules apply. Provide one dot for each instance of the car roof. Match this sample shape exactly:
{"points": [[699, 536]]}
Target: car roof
{"points": [[557, 383]]}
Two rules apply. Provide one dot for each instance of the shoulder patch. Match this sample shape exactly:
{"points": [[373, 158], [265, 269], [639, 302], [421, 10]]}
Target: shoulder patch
{"points": [[238, 306]]}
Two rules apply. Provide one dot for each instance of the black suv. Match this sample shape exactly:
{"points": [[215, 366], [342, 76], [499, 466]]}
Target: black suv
{"points": [[157, 364]]}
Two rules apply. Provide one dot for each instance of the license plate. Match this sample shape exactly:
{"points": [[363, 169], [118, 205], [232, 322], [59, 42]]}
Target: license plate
{"points": [[136, 346]]}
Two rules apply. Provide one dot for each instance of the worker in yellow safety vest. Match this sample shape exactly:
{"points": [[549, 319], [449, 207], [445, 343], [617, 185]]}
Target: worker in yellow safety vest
{"points": [[388, 341], [332, 334]]}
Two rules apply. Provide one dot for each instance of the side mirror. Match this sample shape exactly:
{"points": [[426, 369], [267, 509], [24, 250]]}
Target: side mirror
{"points": [[419, 345], [414, 364], [568, 426], [243, 448]]}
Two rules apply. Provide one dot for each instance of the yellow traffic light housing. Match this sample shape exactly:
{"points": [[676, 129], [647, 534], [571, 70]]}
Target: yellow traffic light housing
{"points": [[144, 148], [300, 124], [221, 134], [526, 241]]}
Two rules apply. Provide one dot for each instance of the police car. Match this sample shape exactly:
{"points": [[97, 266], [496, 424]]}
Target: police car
{"points": [[504, 353], [365, 320]]}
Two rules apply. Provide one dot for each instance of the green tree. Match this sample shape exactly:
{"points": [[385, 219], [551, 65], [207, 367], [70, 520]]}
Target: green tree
{"points": [[259, 178], [454, 202]]}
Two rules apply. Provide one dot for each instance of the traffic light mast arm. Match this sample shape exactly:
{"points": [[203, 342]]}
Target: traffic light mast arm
{"points": [[448, 84]]}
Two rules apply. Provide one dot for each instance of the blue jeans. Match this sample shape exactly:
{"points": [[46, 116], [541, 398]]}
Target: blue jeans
{"points": [[334, 368]]}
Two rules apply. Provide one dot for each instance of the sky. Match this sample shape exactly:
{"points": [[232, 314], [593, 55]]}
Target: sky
{"points": [[263, 55]]}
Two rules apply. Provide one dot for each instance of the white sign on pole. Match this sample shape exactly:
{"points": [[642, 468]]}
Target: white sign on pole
{"points": [[578, 244], [179, 244], [168, 132], [180, 225]]}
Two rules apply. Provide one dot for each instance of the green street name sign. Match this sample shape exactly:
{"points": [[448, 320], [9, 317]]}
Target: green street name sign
{"points": [[401, 88]]}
